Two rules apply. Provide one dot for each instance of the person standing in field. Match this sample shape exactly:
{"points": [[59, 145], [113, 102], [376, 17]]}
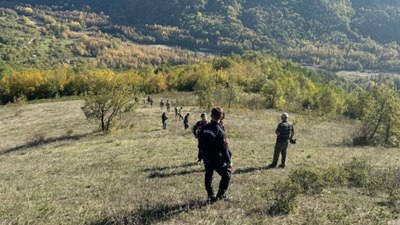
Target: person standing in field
{"points": [[196, 131], [215, 156], [180, 117], [284, 134], [164, 119], [162, 104], [176, 111], [168, 106], [186, 121]]}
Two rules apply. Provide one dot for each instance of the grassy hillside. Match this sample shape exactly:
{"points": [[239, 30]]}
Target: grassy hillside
{"points": [[340, 34], [55, 169]]}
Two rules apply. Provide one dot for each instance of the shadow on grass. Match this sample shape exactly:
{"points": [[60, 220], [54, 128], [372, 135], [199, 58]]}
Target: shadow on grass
{"points": [[249, 170], [148, 215], [44, 141], [172, 174], [154, 169]]}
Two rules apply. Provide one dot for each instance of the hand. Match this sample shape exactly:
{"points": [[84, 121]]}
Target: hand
{"points": [[229, 165]]}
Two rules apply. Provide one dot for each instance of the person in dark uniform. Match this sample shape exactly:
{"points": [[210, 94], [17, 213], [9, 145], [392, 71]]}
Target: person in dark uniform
{"points": [[168, 105], [162, 104], [180, 117], [196, 131], [186, 121], [164, 119], [176, 111], [215, 155], [284, 134]]}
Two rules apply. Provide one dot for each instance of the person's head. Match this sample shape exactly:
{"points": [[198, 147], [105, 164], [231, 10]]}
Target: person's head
{"points": [[203, 116], [188, 114], [284, 117], [216, 113]]}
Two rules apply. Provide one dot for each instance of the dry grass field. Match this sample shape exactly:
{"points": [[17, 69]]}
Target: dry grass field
{"points": [[55, 168]]}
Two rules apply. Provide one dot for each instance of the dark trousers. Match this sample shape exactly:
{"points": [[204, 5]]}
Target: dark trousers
{"points": [[223, 171], [186, 125], [200, 154], [280, 148]]}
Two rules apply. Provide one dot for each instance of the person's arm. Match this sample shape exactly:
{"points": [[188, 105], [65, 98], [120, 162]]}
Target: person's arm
{"points": [[291, 133], [195, 131], [277, 130], [225, 150]]}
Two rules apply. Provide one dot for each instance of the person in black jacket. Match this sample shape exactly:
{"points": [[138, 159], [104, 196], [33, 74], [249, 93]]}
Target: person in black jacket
{"points": [[196, 131], [186, 121], [216, 156], [164, 120]]}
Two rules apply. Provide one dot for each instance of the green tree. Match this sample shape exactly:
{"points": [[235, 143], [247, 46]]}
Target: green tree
{"points": [[273, 92], [381, 120], [106, 100]]}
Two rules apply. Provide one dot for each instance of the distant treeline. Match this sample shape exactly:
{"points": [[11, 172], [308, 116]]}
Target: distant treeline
{"points": [[252, 80]]}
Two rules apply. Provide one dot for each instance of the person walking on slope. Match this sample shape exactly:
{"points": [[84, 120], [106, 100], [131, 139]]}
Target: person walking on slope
{"points": [[180, 117], [168, 106], [164, 119], [284, 134], [216, 157], [196, 131], [186, 121], [162, 104]]}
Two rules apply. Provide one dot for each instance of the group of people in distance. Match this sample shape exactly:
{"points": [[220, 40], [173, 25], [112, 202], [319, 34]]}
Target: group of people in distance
{"points": [[214, 151], [178, 113]]}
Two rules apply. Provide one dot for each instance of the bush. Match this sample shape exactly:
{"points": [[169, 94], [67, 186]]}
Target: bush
{"points": [[285, 200], [309, 179], [359, 173], [335, 176]]}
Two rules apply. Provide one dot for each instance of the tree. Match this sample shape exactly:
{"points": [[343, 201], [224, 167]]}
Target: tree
{"points": [[273, 92], [381, 119], [107, 100]]}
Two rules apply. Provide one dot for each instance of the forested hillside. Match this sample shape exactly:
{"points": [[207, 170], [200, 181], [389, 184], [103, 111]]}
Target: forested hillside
{"points": [[339, 34], [45, 37]]}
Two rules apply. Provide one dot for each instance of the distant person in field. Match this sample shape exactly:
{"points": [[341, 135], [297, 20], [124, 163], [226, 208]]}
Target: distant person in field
{"points": [[168, 106], [148, 99], [180, 117], [151, 102], [215, 156], [162, 104], [186, 121], [284, 134], [196, 131], [164, 119], [176, 111]]}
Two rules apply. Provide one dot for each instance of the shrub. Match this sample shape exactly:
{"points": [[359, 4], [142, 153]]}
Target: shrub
{"points": [[285, 200], [335, 176], [359, 172], [309, 179]]}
